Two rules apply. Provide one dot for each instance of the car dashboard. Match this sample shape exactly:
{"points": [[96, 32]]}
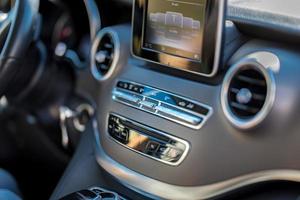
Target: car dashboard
{"points": [[194, 100]]}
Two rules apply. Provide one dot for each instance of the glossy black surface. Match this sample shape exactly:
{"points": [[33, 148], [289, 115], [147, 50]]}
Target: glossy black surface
{"points": [[187, 65]]}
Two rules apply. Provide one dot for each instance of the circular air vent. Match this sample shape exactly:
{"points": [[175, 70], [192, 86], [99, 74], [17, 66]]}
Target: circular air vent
{"points": [[105, 54], [248, 93]]}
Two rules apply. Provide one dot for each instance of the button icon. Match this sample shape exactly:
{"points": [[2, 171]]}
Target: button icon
{"points": [[190, 106], [182, 103], [174, 153], [152, 146]]}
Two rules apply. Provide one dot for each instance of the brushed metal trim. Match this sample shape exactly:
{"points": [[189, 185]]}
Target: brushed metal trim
{"points": [[185, 143], [116, 40], [219, 33], [158, 189], [196, 127], [268, 64]]}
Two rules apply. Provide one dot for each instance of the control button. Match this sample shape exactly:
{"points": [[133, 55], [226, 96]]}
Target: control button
{"points": [[152, 146], [131, 86], [180, 115], [124, 135], [116, 131], [113, 119], [121, 84], [174, 153], [129, 98], [163, 150], [148, 104]]}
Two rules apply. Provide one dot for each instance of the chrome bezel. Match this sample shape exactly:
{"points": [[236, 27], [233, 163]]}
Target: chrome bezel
{"points": [[267, 68], [116, 40], [81, 127]]}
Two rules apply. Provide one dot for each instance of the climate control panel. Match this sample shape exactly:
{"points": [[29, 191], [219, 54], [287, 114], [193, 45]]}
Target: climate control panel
{"points": [[163, 104], [147, 141]]}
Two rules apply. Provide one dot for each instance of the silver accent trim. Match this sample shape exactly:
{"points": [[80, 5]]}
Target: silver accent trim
{"points": [[268, 64], [220, 25], [140, 106], [158, 189], [122, 95], [180, 115], [96, 42], [64, 114], [185, 143], [82, 107]]}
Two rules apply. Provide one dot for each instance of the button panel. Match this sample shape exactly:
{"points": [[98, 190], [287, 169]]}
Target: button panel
{"points": [[147, 141], [164, 104]]}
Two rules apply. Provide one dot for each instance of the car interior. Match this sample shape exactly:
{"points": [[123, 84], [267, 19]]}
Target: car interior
{"points": [[149, 99]]}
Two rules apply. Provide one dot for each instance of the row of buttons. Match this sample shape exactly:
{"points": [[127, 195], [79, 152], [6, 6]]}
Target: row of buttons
{"points": [[117, 130], [147, 141], [158, 108], [163, 150], [164, 97]]}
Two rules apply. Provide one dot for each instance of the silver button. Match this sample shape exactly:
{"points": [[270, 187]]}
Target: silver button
{"points": [[184, 117], [147, 104], [129, 98]]}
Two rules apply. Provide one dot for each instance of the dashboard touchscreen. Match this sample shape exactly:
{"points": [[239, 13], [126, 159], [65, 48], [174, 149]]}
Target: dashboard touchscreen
{"points": [[175, 27], [179, 36]]}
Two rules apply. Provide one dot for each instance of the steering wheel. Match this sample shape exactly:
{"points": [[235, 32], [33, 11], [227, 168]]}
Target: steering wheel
{"points": [[18, 28]]}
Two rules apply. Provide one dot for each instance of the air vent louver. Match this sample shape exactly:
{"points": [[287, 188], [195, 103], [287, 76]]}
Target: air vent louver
{"points": [[105, 53], [248, 90]]}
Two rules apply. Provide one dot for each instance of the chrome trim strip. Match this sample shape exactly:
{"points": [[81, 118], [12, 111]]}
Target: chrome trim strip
{"points": [[268, 64], [116, 40], [185, 143], [157, 189], [219, 33]]}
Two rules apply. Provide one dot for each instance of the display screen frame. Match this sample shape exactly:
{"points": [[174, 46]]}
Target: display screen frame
{"points": [[212, 43]]}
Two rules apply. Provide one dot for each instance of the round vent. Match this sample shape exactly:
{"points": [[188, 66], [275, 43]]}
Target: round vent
{"points": [[248, 93], [105, 54]]}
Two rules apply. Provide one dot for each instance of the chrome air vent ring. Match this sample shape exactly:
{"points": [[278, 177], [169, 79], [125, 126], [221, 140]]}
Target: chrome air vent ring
{"points": [[105, 54], [248, 90]]}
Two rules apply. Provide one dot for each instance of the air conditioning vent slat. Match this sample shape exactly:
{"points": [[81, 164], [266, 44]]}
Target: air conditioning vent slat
{"points": [[252, 80], [244, 108]]}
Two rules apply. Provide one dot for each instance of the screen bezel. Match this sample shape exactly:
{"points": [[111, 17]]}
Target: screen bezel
{"points": [[212, 43]]}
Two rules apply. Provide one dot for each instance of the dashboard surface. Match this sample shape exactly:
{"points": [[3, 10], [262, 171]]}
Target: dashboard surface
{"points": [[223, 155]]}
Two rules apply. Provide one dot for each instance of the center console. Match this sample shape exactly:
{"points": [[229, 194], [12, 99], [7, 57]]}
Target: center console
{"points": [[159, 133], [150, 122]]}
